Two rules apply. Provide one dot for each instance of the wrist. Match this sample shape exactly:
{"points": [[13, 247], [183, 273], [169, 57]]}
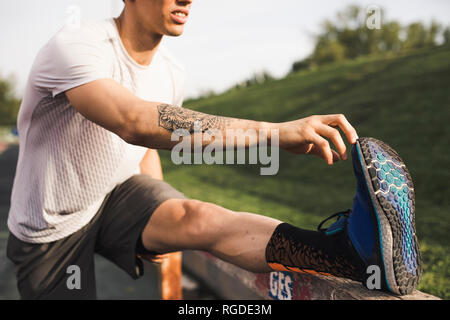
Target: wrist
{"points": [[269, 128]]}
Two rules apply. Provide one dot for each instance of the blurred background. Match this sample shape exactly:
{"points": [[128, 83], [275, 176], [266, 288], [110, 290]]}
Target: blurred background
{"points": [[384, 64]]}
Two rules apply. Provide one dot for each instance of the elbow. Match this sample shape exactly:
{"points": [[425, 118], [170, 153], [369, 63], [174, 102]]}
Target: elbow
{"points": [[129, 136], [128, 128], [130, 131], [135, 127], [134, 131], [139, 138]]}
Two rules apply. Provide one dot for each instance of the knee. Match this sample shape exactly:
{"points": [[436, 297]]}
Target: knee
{"points": [[201, 222]]}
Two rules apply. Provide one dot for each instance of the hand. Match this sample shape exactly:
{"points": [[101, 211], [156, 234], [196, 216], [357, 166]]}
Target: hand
{"points": [[309, 136], [154, 258]]}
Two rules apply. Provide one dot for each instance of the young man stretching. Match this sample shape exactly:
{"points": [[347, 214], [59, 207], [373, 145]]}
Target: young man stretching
{"points": [[98, 97]]}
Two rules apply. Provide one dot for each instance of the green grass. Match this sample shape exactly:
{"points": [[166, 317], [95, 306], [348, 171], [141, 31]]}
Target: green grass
{"points": [[402, 100]]}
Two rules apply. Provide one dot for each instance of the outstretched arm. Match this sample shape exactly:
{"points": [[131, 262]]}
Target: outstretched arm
{"points": [[151, 124]]}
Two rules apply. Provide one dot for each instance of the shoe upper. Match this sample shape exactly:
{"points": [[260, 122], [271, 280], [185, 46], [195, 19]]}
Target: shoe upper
{"points": [[361, 227], [357, 221]]}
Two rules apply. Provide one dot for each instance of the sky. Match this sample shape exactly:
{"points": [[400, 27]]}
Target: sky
{"points": [[224, 42]]}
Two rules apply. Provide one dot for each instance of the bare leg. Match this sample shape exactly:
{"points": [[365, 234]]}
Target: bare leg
{"points": [[237, 237]]}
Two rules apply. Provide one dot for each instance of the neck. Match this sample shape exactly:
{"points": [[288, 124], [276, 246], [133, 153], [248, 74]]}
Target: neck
{"points": [[140, 44]]}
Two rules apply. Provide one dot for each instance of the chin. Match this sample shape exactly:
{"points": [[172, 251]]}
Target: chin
{"points": [[174, 30], [174, 33]]}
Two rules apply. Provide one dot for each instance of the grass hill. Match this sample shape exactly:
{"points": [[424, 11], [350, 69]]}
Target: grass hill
{"points": [[403, 100]]}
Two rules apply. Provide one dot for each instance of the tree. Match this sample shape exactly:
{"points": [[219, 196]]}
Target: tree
{"points": [[9, 104], [348, 37], [391, 36], [327, 51], [419, 36], [446, 35]]}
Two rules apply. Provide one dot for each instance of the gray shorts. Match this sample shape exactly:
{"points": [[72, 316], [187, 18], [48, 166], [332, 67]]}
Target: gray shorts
{"points": [[114, 232]]}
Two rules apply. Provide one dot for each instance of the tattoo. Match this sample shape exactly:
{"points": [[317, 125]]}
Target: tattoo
{"points": [[172, 118]]}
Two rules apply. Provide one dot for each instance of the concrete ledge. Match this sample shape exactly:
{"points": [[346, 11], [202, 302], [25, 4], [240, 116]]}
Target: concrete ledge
{"points": [[234, 283]]}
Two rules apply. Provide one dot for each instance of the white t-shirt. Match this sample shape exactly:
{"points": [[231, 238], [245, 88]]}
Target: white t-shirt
{"points": [[68, 164]]}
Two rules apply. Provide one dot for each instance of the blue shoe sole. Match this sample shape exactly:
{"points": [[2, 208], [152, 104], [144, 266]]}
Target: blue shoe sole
{"points": [[392, 195]]}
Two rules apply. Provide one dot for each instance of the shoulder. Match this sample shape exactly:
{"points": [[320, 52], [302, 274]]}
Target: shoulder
{"points": [[73, 54], [91, 34]]}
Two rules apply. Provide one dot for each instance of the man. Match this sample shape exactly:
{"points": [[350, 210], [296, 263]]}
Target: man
{"points": [[98, 97]]}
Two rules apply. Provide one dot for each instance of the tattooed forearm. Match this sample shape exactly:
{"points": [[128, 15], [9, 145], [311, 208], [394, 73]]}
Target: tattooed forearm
{"points": [[172, 118]]}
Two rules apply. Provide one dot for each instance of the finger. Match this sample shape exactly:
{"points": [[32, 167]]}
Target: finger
{"points": [[319, 153], [335, 136], [339, 120], [336, 156], [321, 148]]}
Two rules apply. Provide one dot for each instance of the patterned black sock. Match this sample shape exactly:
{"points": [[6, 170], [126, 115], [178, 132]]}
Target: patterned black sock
{"points": [[294, 249]]}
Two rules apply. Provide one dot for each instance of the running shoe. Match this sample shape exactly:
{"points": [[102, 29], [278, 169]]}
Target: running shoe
{"points": [[381, 223]]}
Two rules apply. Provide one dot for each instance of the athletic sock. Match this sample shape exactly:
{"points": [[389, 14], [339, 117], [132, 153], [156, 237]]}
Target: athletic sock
{"points": [[294, 249]]}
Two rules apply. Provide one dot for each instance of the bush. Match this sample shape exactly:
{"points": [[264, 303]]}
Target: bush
{"points": [[9, 104], [348, 37]]}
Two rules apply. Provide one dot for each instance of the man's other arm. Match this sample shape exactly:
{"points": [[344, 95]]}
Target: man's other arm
{"points": [[151, 164]]}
